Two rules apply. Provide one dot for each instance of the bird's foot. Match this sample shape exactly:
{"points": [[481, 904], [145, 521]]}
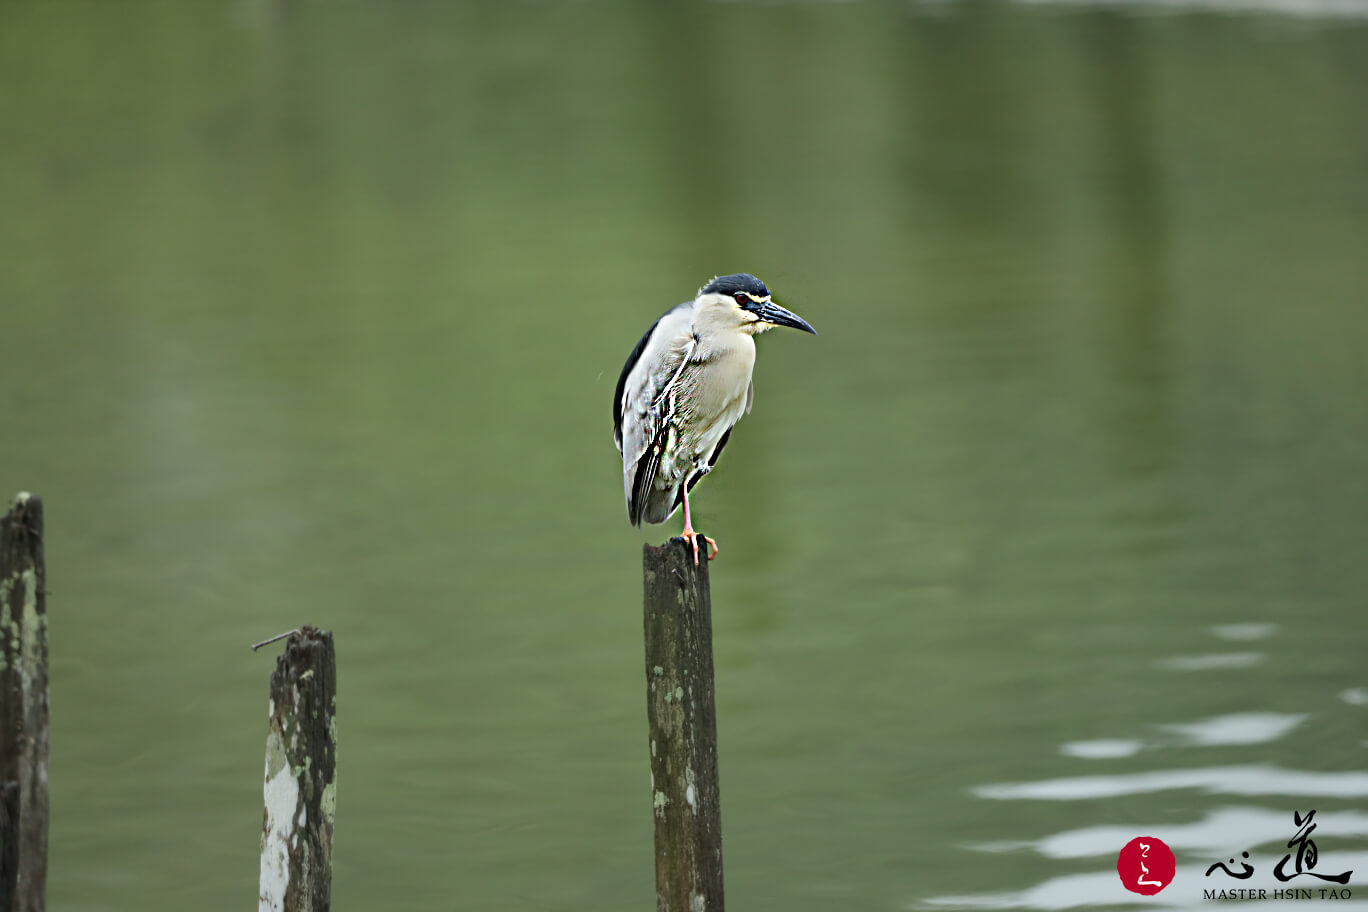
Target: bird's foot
{"points": [[692, 537]]}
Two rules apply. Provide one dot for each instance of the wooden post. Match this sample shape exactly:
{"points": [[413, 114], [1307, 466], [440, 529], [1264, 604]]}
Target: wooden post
{"points": [[23, 708], [301, 777], [682, 719]]}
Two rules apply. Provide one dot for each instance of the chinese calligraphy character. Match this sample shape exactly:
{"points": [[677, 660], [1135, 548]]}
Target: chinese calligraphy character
{"points": [[1144, 869], [1306, 853], [1244, 875]]}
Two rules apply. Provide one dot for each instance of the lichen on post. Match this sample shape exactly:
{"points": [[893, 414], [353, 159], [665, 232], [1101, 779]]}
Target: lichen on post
{"points": [[682, 723], [23, 708], [300, 788]]}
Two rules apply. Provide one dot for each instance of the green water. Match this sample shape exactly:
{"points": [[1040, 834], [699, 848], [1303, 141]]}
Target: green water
{"points": [[312, 313]]}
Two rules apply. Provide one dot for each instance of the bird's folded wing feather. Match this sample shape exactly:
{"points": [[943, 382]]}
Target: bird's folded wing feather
{"points": [[645, 405]]}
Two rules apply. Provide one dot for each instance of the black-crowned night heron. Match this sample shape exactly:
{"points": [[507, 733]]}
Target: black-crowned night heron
{"points": [[683, 388]]}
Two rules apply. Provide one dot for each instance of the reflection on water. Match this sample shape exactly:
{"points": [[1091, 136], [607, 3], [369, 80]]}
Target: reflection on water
{"points": [[1250, 631], [1214, 780], [1212, 661], [1300, 9], [1220, 830], [1237, 728], [1103, 749]]}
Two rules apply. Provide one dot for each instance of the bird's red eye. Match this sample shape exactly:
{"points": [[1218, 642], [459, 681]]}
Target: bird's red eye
{"points": [[742, 298]]}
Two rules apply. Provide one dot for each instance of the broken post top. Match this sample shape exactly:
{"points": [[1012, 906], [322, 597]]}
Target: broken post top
{"points": [[21, 532], [23, 599], [306, 647], [304, 706]]}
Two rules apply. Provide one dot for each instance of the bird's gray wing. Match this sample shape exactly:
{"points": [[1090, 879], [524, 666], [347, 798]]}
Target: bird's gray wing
{"points": [[645, 404], [619, 403]]}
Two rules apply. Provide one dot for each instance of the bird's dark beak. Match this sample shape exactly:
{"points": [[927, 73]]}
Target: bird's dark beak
{"points": [[779, 316]]}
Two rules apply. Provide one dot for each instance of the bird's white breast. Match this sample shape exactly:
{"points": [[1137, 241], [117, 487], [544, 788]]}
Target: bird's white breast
{"points": [[715, 385]]}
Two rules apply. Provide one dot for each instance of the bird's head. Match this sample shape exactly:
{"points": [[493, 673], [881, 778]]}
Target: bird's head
{"points": [[744, 302]]}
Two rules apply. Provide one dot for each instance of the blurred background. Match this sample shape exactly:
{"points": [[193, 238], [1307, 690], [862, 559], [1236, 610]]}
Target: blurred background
{"points": [[1054, 537]]}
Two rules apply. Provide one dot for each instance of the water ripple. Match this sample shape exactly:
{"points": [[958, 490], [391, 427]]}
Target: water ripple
{"points": [[1210, 661], [1102, 749], [1237, 728], [1355, 696], [1214, 780], [1250, 631], [1223, 830]]}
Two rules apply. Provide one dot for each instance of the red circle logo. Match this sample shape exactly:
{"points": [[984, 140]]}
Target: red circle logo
{"points": [[1145, 865]]}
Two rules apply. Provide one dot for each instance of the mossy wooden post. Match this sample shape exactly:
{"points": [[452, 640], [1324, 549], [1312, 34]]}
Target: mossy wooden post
{"points": [[23, 708], [682, 719], [301, 777]]}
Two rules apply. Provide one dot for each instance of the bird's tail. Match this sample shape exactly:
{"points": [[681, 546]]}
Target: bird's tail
{"points": [[640, 484]]}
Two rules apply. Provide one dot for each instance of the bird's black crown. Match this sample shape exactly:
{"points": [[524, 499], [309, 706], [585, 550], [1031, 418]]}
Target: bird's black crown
{"points": [[731, 284]]}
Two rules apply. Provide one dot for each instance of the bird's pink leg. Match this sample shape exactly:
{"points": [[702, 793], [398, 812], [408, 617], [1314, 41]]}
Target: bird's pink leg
{"points": [[692, 537]]}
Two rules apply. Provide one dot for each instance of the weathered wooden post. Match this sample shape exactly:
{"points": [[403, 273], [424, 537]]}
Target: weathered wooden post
{"points": [[682, 719], [301, 777], [23, 708]]}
